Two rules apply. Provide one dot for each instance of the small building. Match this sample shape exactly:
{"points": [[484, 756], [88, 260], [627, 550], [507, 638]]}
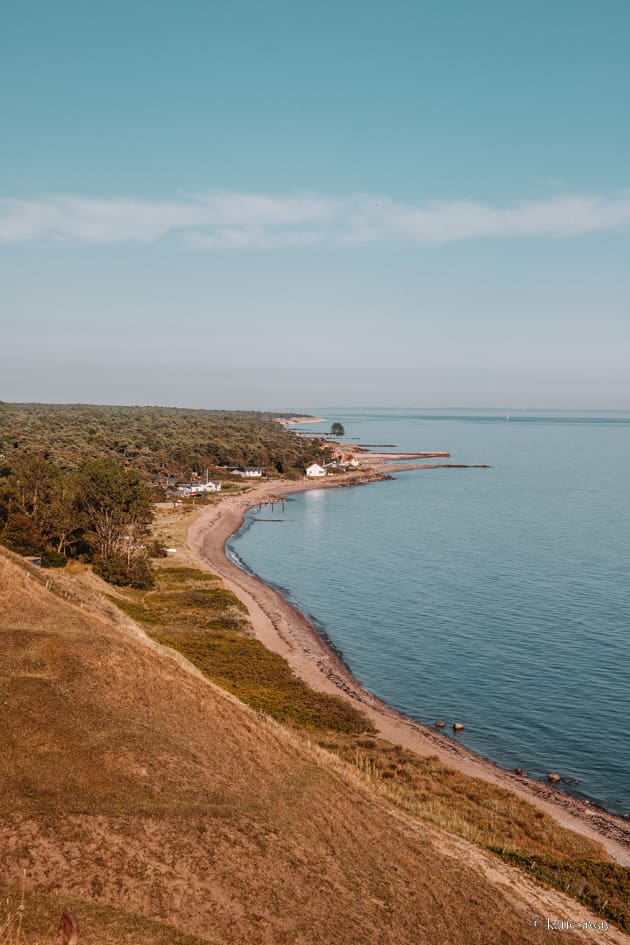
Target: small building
{"points": [[198, 488], [341, 462], [314, 471], [248, 472]]}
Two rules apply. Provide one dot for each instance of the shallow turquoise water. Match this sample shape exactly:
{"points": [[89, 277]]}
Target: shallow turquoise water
{"points": [[495, 597]]}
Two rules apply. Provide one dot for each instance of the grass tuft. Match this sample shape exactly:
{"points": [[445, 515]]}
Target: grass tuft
{"points": [[11, 923]]}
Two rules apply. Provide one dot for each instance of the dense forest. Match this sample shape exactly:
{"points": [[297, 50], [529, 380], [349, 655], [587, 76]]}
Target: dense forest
{"points": [[80, 481], [155, 441]]}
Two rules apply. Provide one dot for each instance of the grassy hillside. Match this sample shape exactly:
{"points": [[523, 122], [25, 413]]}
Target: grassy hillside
{"points": [[133, 784], [192, 612]]}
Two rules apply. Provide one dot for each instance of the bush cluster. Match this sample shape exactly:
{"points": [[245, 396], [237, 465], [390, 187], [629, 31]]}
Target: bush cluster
{"points": [[100, 512]]}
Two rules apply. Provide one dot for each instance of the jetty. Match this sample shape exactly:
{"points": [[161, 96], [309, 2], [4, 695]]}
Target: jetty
{"points": [[390, 457]]}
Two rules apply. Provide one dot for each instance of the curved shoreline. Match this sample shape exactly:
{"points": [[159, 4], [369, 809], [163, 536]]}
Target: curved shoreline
{"points": [[283, 629]]}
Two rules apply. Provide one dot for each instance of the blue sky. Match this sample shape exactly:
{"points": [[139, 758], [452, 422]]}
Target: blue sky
{"points": [[283, 204]]}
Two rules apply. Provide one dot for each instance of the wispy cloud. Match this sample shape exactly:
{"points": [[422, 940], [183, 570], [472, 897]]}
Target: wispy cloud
{"points": [[239, 220]]}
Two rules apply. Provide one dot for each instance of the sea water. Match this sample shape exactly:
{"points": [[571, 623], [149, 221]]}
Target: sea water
{"points": [[498, 598]]}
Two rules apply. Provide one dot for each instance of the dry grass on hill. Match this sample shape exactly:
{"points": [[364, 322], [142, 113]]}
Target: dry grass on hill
{"points": [[139, 792], [192, 612], [469, 807], [28, 919]]}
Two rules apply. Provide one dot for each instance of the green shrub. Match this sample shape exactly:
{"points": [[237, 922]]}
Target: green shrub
{"points": [[53, 559], [116, 569]]}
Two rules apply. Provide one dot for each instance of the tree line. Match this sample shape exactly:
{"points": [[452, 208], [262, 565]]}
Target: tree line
{"points": [[157, 442]]}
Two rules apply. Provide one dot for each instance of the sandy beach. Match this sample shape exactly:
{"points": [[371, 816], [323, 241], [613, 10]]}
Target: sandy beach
{"points": [[281, 628]]}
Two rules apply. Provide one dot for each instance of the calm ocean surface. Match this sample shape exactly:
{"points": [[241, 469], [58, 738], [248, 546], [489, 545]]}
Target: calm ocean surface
{"points": [[496, 597]]}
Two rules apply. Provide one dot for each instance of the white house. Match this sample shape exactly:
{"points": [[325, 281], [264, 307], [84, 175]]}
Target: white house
{"points": [[315, 470]]}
